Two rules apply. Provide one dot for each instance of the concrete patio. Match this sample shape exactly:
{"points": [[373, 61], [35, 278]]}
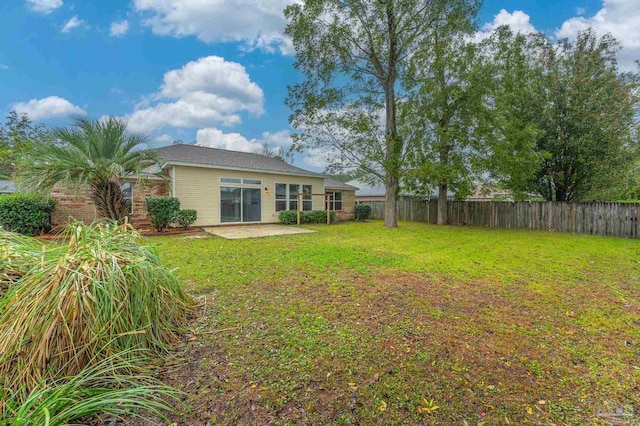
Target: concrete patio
{"points": [[254, 231]]}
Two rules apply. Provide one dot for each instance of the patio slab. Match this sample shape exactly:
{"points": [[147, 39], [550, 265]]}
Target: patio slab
{"points": [[255, 231]]}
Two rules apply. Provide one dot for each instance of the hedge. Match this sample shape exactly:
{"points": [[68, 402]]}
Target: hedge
{"points": [[162, 211], [290, 217], [26, 213]]}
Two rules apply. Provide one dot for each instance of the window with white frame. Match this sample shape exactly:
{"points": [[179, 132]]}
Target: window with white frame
{"points": [[335, 201], [287, 196]]}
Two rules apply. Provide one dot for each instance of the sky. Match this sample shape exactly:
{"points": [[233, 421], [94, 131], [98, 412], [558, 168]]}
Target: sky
{"points": [[211, 71]]}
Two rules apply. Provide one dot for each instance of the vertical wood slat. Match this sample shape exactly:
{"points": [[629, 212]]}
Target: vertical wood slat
{"points": [[611, 219]]}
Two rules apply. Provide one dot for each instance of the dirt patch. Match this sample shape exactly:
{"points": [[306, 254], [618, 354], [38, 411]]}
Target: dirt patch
{"points": [[405, 348]]}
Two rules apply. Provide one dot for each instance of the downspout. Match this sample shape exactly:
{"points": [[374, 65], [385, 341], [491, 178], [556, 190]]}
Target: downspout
{"points": [[173, 180]]}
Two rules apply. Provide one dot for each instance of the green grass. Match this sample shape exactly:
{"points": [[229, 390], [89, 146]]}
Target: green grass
{"points": [[359, 324]]}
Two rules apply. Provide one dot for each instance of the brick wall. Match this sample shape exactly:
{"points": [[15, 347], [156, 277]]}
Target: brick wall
{"points": [[75, 203], [348, 211]]}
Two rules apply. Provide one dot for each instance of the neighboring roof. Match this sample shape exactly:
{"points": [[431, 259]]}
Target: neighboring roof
{"points": [[379, 190], [201, 156], [7, 187], [336, 184], [368, 190]]}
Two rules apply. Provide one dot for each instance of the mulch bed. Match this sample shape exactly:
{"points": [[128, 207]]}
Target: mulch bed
{"points": [[170, 231]]}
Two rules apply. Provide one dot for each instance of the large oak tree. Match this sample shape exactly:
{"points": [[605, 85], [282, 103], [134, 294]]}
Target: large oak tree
{"points": [[356, 57]]}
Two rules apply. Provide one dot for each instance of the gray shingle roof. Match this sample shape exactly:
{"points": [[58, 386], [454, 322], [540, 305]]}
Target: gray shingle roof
{"points": [[336, 184], [235, 160]]}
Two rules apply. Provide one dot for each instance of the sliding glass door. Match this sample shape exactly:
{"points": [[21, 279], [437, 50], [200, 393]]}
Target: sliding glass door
{"points": [[251, 205], [240, 205]]}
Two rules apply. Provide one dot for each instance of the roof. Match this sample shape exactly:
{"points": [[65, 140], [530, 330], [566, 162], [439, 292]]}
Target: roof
{"points": [[379, 190], [367, 190], [7, 187], [201, 156], [336, 184]]}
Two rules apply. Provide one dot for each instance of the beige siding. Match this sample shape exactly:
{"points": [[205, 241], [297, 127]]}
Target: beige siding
{"points": [[198, 188]]}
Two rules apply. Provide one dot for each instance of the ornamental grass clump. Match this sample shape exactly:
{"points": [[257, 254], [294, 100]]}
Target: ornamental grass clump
{"points": [[98, 390], [18, 254], [103, 294]]}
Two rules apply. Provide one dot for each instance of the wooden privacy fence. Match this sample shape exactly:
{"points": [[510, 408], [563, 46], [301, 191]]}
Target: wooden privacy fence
{"points": [[611, 219]]}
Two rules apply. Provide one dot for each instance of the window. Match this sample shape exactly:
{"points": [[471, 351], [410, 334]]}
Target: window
{"points": [[251, 182], [127, 195], [230, 180], [287, 196], [294, 190], [307, 202], [281, 196], [335, 203]]}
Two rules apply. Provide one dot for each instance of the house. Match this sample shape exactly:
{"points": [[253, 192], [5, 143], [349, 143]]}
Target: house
{"points": [[7, 187], [343, 198], [486, 193], [224, 187], [377, 192]]}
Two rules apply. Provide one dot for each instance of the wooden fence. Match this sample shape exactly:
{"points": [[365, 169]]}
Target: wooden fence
{"points": [[611, 219]]}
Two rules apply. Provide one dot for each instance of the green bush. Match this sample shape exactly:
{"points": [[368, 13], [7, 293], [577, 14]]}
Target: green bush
{"points": [[186, 218], [317, 216], [290, 217], [162, 211], [363, 211], [26, 213]]}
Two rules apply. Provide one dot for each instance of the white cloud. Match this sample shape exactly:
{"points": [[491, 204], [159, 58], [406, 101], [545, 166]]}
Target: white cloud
{"points": [[53, 106], [319, 157], [258, 23], [203, 93], [44, 6], [215, 138], [163, 138], [519, 22], [4, 67], [119, 28], [621, 18], [72, 23], [580, 11]]}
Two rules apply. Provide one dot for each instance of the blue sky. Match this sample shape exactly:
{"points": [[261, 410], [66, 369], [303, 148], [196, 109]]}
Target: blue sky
{"points": [[214, 71]]}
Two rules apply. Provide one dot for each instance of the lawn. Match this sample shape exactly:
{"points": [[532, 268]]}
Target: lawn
{"points": [[359, 324]]}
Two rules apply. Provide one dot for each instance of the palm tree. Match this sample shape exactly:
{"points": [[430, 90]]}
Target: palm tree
{"points": [[92, 153]]}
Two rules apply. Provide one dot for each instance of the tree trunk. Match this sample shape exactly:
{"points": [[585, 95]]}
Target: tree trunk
{"points": [[393, 144], [443, 212], [561, 193], [391, 203], [109, 200]]}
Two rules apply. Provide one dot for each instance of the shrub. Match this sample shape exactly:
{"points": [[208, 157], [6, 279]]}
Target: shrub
{"points": [[162, 211], [26, 213], [186, 218], [317, 216], [101, 294], [363, 211], [290, 217]]}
